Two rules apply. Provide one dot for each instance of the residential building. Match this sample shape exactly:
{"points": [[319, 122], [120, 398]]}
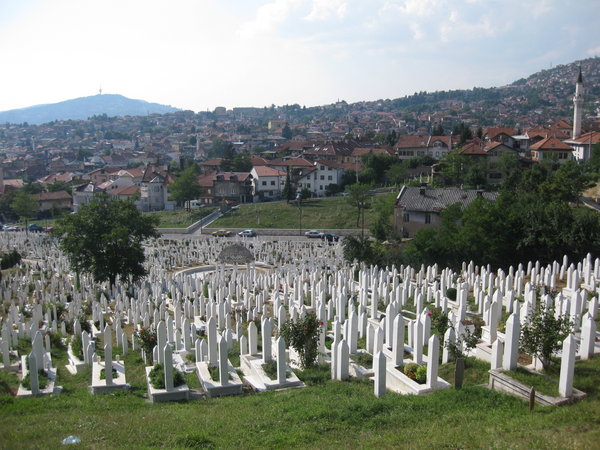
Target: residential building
{"points": [[267, 182], [550, 149], [420, 207], [417, 146], [582, 146]]}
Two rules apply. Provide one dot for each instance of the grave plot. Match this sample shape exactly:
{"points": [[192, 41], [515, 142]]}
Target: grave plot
{"points": [[108, 375], [38, 375], [261, 370], [217, 375]]}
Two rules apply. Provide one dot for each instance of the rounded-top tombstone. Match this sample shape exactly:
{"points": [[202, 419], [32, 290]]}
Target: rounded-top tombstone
{"points": [[235, 254]]}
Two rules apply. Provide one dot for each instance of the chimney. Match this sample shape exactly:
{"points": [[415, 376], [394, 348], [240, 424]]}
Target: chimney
{"points": [[422, 189]]}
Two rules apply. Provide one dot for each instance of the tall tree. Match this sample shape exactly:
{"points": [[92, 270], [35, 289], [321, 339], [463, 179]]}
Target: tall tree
{"points": [[185, 187], [104, 238], [286, 132], [359, 197], [288, 191], [24, 205]]}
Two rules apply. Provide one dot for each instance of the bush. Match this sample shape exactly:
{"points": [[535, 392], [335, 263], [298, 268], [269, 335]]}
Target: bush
{"points": [[157, 377], [146, 339], [303, 336], [543, 334], [451, 294], [42, 380], [10, 260], [416, 372], [77, 346]]}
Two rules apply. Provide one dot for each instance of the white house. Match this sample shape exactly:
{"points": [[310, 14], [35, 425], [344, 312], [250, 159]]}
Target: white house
{"points": [[582, 146], [322, 174], [267, 182]]}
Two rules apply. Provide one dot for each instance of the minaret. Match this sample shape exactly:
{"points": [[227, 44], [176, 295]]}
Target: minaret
{"points": [[578, 104]]}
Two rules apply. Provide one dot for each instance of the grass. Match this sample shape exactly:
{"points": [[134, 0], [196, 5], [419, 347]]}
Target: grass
{"points": [[542, 384], [326, 213], [326, 414], [363, 359], [180, 218], [476, 372]]}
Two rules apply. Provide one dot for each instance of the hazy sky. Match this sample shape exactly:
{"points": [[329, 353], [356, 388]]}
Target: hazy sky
{"points": [[198, 54]]}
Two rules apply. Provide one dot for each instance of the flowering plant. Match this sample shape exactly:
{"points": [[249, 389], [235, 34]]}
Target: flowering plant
{"points": [[146, 338], [303, 335]]}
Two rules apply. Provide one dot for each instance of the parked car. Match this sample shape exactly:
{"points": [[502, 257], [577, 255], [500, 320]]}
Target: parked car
{"points": [[49, 229], [247, 233], [8, 228], [35, 228], [221, 233], [330, 237], [313, 234]]}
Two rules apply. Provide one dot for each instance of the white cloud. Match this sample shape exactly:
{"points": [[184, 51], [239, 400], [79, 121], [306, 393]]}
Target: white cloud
{"points": [[324, 9], [541, 7], [268, 17], [594, 51], [416, 30], [420, 7]]}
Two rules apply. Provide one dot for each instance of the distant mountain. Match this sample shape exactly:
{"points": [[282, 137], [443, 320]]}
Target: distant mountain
{"points": [[84, 107]]}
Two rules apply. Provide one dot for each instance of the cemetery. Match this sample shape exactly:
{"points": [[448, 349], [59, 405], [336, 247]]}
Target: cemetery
{"points": [[283, 343]]}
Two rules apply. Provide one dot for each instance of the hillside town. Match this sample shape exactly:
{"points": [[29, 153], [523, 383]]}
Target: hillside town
{"points": [[245, 154]]}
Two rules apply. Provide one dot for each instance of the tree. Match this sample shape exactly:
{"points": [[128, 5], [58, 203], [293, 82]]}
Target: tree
{"points": [[24, 205], [185, 187], [358, 196], [303, 335], [288, 191], [544, 333], [104, 238], [286, 132]]}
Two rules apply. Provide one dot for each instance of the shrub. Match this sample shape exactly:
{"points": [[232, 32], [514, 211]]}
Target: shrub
{"points": [[42, 380], [416, 372], [544, 333], [10, 260], [146, 339], [157, 377], [439, 321], [103, 374], [77, 347], [451, 294], [463, 344], [303, 336]]}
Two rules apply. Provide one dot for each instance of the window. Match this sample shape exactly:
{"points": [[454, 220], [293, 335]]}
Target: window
{"points": [[308, 185], [427, 218], [329, 177], [322, 167], [273, 183], [322, 177], [264, 183], [406, 217], [321, 187]]}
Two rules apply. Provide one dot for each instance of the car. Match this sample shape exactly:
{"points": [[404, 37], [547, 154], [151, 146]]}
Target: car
{"points": [[8, 228], [247, 233], [221, 233], [48, 229], [35, 228], [330, 237], [313, 234]]}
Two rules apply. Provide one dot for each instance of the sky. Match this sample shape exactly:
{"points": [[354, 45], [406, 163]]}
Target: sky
{"points": [[199, 54]]}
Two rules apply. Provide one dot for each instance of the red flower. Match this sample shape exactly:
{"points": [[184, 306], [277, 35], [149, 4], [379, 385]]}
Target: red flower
{"points": [[321, 323], [429, 314]]}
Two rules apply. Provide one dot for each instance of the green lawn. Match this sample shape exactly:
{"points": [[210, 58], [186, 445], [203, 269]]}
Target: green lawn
{"points": [[326, 414], [326, 213], [180, 218]]}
